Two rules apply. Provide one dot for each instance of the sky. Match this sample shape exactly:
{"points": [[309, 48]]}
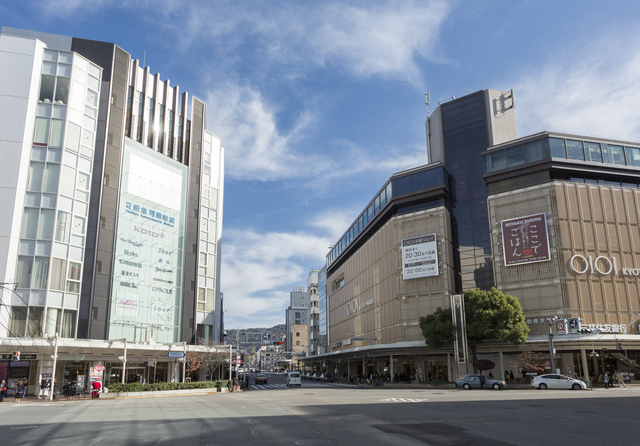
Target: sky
{"points": [[318, 103]]}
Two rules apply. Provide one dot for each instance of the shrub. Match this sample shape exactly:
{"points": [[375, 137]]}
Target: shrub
{"points": [[137, 387]]}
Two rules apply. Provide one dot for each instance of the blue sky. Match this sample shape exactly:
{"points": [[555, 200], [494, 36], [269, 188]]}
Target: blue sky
{"points": [[318, 103]]}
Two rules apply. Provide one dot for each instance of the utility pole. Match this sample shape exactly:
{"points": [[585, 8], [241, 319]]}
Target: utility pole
{"points": [[551, 349]]}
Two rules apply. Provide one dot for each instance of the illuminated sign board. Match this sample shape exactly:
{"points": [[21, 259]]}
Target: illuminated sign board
{"points": [[525, 240], [147, 273], [420, 257]]}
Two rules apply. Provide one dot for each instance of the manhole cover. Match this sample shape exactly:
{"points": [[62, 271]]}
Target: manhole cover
{"points": [[319, 442]]}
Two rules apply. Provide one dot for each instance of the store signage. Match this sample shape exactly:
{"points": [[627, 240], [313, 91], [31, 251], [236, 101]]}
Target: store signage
{"points": [[525, 240], [22, 357], [601, 264], [353, 305], [420, 257], [595, 328]]}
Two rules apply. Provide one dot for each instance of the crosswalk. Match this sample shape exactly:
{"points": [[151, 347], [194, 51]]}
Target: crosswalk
{"points": [[305, 385]]}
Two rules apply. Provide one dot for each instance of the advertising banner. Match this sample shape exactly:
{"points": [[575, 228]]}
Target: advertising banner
{"points": [[420, 257], [525, 240], [147, 277]]}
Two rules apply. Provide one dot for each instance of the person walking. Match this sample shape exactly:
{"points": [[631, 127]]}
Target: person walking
{"points": [[17, 392], [620, 379], [606, 380], [3, 390], [482, 380], [44, 389]]}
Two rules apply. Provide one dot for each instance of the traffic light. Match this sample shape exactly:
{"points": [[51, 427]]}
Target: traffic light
{"points": [[274, 342], [619, 346], [16, 356]]}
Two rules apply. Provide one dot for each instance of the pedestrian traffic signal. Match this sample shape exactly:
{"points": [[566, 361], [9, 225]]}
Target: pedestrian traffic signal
{"points": [[619, 346], [16, 356]]}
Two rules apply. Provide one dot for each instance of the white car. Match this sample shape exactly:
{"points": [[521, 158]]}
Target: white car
{"points": [[293, 379], [554, 381]]}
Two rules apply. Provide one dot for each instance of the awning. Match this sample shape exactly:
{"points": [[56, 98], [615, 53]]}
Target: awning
{"points": [[623, 359]]}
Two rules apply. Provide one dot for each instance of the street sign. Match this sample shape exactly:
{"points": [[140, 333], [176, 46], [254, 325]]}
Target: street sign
{"points": [[176, 354], [574, 324], [561, 326]]}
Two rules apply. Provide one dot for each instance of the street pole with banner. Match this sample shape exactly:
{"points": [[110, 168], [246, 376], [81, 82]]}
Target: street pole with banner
{"points": [[53, 374], [460, 343]]}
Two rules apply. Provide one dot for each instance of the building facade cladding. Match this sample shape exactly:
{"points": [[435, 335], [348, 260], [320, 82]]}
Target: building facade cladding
{"points": [[367, 296], [297, 313], [588, 190], [591, 221], [109, 108]]}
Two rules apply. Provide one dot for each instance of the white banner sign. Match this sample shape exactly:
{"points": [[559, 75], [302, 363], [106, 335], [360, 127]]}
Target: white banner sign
{"points": [[420, 257]]}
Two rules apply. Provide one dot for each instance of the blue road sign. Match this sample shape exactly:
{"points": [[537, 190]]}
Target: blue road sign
{"points": [[176, 354]]}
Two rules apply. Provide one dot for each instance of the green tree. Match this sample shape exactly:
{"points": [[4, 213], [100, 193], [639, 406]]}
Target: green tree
{"points": [[490, 315]]}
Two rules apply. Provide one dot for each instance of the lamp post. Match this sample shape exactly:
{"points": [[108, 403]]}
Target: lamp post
{"points": [[551, 349], [53, 373]]}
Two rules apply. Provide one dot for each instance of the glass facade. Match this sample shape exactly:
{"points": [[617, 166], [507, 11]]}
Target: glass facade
{"points": [[565, 148], [416, 181], [465, 138], [148, 257]]}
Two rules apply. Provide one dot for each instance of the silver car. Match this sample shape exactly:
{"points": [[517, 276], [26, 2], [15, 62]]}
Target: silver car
{"points": [[555, 381], [473, 382]]}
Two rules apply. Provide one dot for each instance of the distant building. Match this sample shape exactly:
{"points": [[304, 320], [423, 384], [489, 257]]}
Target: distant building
{"points": [[296, 313], [313, 313]]}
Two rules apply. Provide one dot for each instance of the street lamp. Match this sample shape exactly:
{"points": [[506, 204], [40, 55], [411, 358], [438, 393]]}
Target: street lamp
{"points": [[550, 322]]}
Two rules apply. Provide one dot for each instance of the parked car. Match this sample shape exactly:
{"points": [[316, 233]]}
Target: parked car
{"points": [[326, 377], [555, 381], [293, 379], [261, 379], [473, 382]]}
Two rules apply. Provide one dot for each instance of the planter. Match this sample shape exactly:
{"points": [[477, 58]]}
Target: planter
{"points": [[157, 394]]}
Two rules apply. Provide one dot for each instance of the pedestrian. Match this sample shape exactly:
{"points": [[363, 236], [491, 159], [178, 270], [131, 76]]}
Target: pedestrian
{"points": [[482, 380], [44, 389], [506, 375], [17, 392], [606, 380], [25, 384], [511, 377], [95, 389], [491, 375], [3, 390], [620, 378]]}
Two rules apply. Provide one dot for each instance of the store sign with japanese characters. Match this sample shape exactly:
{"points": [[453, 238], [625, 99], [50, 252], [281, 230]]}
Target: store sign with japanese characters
{"points": [[420, 257], [525, 240]]}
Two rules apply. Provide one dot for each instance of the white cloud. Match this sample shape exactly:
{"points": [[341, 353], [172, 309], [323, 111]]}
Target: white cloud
{"points": [[592, 91], [260, 269]]}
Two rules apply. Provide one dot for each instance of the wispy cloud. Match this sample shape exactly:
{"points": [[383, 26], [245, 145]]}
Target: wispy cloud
{"points": [[258, 267], [592, 91]]}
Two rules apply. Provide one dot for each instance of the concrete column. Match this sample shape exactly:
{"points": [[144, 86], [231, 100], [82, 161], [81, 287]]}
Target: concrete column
{"points": [[391, 369], [450, 369], [585, 365], [501, 365], [364, 367]]}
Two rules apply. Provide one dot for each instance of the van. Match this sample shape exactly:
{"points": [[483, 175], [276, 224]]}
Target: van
{"points": [[293, 379]]}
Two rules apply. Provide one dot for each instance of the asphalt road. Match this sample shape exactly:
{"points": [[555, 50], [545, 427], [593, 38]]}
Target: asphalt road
{"points": [[333, 416]]}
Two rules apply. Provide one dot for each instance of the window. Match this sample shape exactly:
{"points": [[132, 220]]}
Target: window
{"points": [[201, 299], [41, 131], [40, 273], [18, 323], [58, 274], [556, 146], [575, 150], [29, 229], [73, 279], [23, 271], [298, 342], [616, 154], [633, 156], [593, 152], [297, 334], [63, 227]]}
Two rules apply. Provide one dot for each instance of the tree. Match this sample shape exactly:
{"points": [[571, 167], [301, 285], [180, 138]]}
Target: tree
{"points": [[437, 328], [490, 315]]}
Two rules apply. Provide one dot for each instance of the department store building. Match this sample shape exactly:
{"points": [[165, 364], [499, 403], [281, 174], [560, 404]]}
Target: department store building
{"points": [[550, 218], [112, 193]]}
